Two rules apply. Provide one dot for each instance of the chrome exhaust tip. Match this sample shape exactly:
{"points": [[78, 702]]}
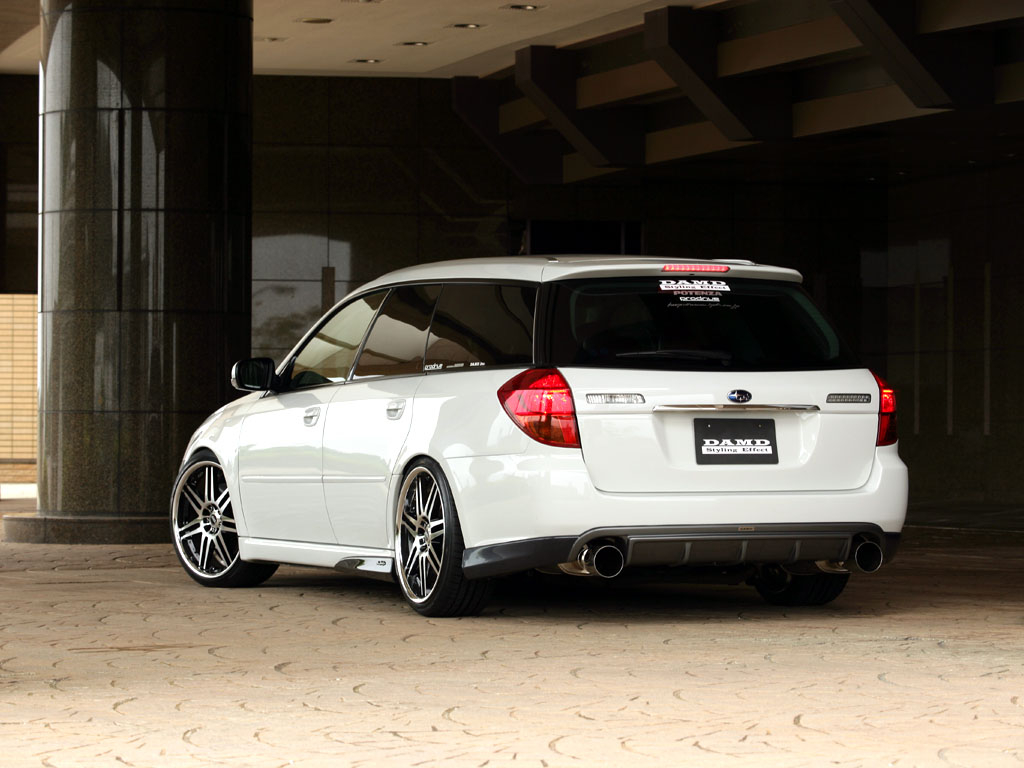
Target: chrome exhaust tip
{"points": [[868, 557], [597, 559], [608, 561]]}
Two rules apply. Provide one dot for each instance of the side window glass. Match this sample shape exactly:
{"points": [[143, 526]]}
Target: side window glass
{"points": [[328, 356], [399, 334], [478, 325]]}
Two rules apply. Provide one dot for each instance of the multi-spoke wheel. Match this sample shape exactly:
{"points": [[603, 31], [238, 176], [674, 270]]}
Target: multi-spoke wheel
{"points": [[429, 547], [421, 534], [203, 527]]}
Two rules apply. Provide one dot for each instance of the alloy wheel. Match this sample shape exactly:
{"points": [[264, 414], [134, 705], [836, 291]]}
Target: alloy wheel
{"points": [[420, 535], [204, 524]]}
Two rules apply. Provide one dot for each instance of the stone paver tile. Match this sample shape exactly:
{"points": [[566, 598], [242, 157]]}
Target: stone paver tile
{"points": [[113, 656]]}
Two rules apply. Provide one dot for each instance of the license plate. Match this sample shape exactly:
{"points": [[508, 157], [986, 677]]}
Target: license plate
{"points": [[735, 441]]}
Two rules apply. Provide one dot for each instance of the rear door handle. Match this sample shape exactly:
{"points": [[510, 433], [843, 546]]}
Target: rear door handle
{"points": [[395, 409], [310, 417]]}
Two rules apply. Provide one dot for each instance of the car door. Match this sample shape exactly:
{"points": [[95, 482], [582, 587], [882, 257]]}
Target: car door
{"points": [[280, 455], [368, 419]]}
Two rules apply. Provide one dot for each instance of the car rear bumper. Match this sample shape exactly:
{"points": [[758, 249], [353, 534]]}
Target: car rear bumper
{"points": [[526, 511], [682, 546], [518, 497]]}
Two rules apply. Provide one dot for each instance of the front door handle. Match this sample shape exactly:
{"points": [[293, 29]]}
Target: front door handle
{"points": [[311, 416], [395, 409]]}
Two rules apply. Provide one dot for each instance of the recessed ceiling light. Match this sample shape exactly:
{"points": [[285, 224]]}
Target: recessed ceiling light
{"points": [[524, 7], [467, 26], [365, 61], [315, 20], [414, 43]]}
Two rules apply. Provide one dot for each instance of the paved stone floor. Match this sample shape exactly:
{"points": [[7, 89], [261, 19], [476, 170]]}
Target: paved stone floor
{"points": [[112, 656]]}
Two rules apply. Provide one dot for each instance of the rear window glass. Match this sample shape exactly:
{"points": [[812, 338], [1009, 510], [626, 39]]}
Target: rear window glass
{"points": [[686, 323], [477, 325], [399, 334]]}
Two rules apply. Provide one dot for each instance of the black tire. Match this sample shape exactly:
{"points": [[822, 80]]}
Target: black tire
{"points": [[779, 587], [429, 547], [203, 527]]}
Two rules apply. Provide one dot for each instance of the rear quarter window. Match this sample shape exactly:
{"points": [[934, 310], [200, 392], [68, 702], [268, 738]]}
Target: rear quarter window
{"points": [[482, 324], [683, 324]]}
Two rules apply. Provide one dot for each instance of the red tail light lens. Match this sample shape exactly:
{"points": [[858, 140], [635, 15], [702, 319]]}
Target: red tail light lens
{"points": [[887, 434], [540, 402]]}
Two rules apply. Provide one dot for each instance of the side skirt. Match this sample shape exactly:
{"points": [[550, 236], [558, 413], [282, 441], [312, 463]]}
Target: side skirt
{"points": [[361, 561]]}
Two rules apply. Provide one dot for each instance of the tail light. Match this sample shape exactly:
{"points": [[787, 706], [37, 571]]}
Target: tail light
{"points": [[887, 434], [540, 402]]}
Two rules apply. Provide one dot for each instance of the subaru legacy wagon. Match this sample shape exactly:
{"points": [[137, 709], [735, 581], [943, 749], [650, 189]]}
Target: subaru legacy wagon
{"points": [[452, 423]]}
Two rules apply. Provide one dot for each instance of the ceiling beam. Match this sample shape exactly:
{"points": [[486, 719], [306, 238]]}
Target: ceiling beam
{"points": [[17, 18], [854, 110], [809, 41], [622, 84], [944, 15], [547, 77], [639, 80], [536, 158], [684, 42], [932, 70], [810, 118], [798, 44]]}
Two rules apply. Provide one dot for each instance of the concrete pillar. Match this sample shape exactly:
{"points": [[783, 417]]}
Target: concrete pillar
{"points": [[145, 252]]}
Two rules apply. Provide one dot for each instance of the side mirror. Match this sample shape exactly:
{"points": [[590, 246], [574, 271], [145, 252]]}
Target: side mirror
{"points": [[253, 375]]}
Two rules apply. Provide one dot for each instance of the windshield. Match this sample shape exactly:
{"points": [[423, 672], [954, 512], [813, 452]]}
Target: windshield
{"points": [[691, 324]]}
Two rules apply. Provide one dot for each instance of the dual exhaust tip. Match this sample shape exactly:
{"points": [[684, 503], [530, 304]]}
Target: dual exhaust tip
{"points": [[607, 560]]}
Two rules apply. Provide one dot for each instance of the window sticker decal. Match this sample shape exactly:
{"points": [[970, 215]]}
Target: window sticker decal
{"points": [[703, 287], [684, 299], [690, 302]]}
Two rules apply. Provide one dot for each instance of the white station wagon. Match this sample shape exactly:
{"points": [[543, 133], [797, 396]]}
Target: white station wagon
{"points": [[452, 423]]}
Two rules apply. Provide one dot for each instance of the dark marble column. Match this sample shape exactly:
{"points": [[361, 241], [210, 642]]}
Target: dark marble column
{"points": [[145, 266]]}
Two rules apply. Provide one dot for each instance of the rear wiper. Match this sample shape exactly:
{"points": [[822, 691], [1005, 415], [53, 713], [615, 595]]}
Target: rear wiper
{"points": [[682, 354]]}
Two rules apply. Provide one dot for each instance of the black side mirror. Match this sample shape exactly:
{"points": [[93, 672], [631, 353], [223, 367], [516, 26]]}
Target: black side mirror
{"points": [[253, 375]]}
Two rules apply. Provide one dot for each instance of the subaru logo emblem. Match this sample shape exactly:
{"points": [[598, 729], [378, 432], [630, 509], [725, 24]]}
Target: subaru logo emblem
{"points": [[740, 396]]}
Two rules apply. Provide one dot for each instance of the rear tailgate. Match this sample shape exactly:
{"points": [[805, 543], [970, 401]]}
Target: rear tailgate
{"points": [[686, 435]]}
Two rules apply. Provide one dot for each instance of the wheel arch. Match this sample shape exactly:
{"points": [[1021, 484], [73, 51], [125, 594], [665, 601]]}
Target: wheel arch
{"points": [[227, 457], [204, 525], [200, 448], [396, 487]]}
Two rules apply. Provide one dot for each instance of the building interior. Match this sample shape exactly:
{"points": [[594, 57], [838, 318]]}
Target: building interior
{"points": [[184, 184]]}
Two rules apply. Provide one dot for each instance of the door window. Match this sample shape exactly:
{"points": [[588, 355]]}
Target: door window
{"points": [[478, 325], [328, 356], [399, 334]]}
